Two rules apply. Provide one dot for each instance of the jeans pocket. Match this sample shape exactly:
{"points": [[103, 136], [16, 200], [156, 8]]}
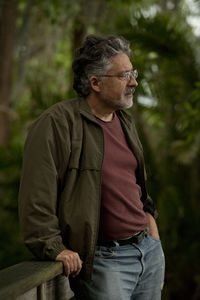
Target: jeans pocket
{"points": [[154, 239]]}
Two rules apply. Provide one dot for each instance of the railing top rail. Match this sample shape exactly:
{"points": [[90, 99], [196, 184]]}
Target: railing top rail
{"points": [[20, 278]]}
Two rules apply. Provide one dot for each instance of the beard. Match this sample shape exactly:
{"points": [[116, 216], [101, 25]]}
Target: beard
{"points": [[125, 101]]}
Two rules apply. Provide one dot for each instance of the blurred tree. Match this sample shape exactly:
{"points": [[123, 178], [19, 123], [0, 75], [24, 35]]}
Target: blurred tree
{"points": [[8, 17]]}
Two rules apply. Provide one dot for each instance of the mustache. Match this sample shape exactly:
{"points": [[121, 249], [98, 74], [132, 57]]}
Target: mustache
{"points": [[130, 90]]}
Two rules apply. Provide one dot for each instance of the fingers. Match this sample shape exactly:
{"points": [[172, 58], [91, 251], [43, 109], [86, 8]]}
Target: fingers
{"points": [[74, 274], [66, 268], [71, 262]]}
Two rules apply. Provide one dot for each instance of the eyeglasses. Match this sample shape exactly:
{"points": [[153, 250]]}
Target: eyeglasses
{"points": [[125, 75]]}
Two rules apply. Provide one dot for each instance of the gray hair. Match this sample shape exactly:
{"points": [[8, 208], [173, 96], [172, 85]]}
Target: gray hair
{"points": [[94, 58]]}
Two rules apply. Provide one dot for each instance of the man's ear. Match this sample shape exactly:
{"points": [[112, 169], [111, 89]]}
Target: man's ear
{"points": [[95, 83]]}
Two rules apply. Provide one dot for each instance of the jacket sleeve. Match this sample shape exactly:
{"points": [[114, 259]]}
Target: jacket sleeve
{"points": [[46, 153], [149, 207], [148, 202]]}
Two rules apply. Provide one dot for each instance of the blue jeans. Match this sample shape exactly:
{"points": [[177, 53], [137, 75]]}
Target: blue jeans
{"points": [[129, 272]]}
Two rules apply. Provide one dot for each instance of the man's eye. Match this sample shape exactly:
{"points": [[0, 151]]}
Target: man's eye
{"points": [[127, 75]]}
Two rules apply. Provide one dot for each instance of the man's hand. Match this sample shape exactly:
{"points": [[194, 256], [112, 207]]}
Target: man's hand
{"points": [[71, 262], [152, 227]]}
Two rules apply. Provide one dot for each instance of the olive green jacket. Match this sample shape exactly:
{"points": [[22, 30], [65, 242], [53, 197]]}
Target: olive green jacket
{"points": [[60, 191]]}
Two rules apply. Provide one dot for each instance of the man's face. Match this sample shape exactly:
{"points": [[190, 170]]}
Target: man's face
{"points": [[117, 92]]}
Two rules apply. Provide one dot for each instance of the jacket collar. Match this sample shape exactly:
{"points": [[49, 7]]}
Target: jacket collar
{"points": [[124, 117], [86, 112]]}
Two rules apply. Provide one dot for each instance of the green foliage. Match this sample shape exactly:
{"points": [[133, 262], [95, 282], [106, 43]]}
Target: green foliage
{"points": [[12, 249]]}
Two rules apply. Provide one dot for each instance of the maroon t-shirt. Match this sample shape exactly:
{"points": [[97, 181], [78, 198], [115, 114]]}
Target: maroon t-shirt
{"points": [[122, 213]]}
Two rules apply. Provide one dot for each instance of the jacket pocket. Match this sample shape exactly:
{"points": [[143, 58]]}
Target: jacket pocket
{"points": [[75, 156]]}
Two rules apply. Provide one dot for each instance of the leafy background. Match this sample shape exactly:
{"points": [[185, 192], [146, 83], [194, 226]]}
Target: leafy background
{"points": [[38, 39]]}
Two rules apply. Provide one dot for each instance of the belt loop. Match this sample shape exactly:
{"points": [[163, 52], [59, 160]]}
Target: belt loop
{"points": [[116, 243]]}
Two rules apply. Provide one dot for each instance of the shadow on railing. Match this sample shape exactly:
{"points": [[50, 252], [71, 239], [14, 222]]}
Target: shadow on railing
{"points": [[35, 280]]}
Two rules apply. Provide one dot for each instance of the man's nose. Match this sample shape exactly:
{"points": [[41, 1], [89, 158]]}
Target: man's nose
{"points": [[133, 81]]}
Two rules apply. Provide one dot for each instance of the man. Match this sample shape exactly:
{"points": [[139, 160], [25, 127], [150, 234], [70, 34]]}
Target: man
{"points": [[83, 199]]}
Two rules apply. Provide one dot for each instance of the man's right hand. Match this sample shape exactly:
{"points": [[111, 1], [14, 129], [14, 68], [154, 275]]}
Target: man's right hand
{"points": [[71, 261]]}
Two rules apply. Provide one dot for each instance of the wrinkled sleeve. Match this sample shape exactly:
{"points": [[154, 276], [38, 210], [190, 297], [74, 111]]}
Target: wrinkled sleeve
{"points": [[46, 151]]}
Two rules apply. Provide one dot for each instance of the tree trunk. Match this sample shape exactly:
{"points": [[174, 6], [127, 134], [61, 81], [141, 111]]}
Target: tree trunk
{"points": [[22, 44], [8, 16]]}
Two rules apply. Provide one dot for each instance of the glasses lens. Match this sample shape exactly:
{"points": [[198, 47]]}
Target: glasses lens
{"points": [[135, 73], [127, 75]]}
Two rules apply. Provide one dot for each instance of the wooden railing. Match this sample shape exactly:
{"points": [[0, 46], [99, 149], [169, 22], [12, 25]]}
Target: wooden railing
{"points": [[34, 280]]}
